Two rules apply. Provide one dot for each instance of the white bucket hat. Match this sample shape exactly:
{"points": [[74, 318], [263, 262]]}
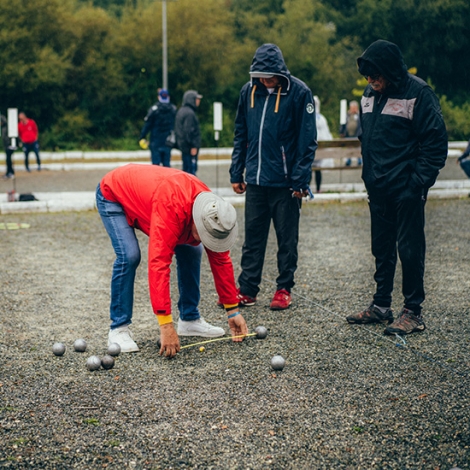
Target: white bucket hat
{"points": [[216, 221]]}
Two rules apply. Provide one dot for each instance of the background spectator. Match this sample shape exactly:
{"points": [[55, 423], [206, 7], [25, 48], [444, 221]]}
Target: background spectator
{"points": [[188, 132], [28, 133], [10, 173], [160, 121]]}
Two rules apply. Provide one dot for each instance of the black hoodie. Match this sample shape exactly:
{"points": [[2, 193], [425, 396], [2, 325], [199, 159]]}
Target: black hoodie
{"points": [[404, 139], [187, 129]]}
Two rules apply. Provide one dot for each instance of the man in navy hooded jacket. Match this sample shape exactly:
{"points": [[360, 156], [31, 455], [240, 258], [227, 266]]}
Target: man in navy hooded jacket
{"points": [[274, 148], [404, 145], [160, 121]]}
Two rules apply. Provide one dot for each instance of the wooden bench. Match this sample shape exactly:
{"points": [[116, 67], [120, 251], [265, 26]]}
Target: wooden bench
{"points": [[324, 161]]}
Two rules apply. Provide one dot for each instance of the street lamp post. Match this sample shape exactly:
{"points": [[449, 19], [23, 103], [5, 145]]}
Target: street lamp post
{"points": [[164, 47]]}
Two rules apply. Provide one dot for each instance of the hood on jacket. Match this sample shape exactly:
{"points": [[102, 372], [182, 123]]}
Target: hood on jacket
{"points": [[385, 58], [189, 98], [268, 61]]}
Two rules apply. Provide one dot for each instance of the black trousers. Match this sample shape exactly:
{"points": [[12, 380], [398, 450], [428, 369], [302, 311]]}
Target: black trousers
{"points": [[263, 204], [9, 161], [398, 222]]}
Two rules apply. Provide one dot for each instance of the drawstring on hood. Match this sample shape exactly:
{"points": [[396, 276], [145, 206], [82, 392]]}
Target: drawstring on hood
{"points": [[278, 98], [253, 96], [268, 61]]}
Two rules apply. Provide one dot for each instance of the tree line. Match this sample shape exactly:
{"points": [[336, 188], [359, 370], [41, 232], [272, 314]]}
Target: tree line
{"points": [[87, 71]]}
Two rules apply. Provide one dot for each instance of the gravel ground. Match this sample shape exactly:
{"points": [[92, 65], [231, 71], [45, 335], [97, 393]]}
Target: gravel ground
{"points": [[348, 397]]}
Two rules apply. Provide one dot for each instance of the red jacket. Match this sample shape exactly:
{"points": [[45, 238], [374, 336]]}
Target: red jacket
{"points": [[28, 132], [159, 202]]}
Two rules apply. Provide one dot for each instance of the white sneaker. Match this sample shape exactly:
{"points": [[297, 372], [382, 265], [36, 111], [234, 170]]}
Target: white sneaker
{"points": [[123, 337], [199, 327]]}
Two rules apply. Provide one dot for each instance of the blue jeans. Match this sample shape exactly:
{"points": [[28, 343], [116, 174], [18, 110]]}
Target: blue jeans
{"points": [[189, 163], [160, 154], [27, 148], [126, 247]]}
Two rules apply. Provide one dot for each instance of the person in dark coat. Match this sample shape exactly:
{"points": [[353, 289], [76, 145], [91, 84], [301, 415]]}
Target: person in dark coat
{"points": [[28, 133], [160, 121], [404, 146], [10, 173], [274, 148], [187, 130]]}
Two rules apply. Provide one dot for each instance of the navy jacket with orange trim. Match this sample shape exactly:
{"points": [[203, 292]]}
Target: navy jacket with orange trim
{"points": [[275, 133]]}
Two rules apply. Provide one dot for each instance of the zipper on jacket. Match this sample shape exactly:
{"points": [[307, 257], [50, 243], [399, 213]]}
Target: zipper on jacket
{"points": [[284, 163], [260, 139]]}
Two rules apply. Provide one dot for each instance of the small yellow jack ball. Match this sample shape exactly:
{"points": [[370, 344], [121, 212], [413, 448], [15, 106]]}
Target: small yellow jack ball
{"points": [[202, 349]]}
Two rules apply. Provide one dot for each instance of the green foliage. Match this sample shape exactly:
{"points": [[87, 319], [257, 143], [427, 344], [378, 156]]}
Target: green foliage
{"points": [[88, 70], [73, 129], [34, 57], [456, 118], [432, 34], [92, 421]]}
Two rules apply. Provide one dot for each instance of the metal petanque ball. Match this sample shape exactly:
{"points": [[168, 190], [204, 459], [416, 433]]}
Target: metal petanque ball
{"points": [[107, 362], [114, 349], [93, 363], [79, 345], [159, 343], [261, 332], [278, 362], [58, 349]]}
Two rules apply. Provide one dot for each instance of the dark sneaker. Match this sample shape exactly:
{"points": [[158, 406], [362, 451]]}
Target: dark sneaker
{"points": [[371, 315], [406, 323], [281, 300], [245, 300]]}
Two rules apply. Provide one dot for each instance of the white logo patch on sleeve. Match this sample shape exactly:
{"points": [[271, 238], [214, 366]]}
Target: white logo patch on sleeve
{"points": [[367, 104], [400, 108], [310, 108]]}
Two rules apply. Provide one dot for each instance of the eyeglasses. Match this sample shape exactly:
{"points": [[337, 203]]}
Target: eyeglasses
{"points": [[374, 77]]}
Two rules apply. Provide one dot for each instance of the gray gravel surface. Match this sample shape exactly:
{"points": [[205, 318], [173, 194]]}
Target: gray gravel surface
{"points": [[348, 397]]}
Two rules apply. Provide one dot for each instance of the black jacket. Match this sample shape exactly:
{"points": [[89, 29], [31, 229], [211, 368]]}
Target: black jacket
{"points": [[404, 139], [275, 134], [187, 131], [4, 128], [159, 121]]}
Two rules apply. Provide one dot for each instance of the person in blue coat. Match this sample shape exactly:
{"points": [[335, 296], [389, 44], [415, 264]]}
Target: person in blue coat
{"points": [[160, 121], [274, 148]]}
